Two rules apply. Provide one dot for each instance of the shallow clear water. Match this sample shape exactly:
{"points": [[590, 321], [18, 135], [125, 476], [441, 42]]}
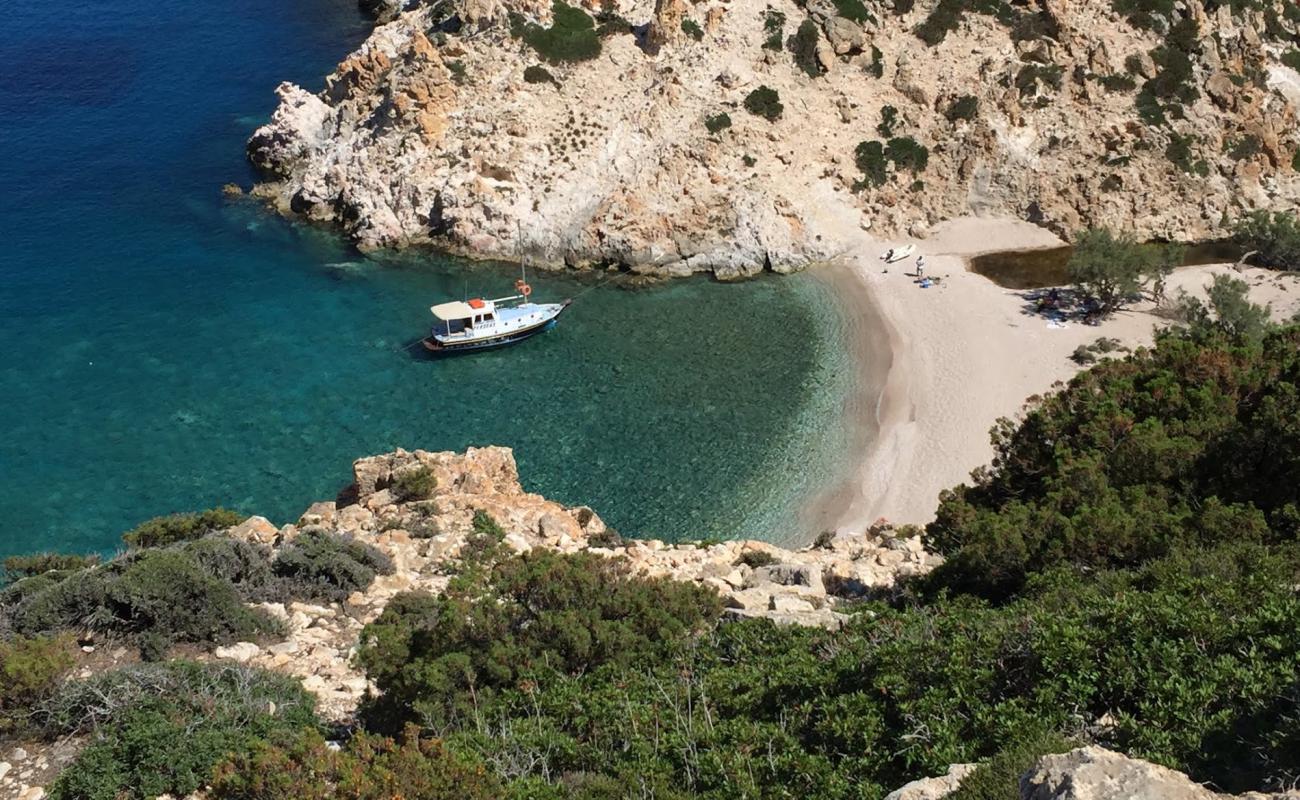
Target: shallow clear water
{"points": [[163, 349]]}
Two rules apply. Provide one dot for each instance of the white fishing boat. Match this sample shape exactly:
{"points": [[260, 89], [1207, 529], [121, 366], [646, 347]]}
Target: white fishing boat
{"points": [[896, 254], [481, 324]]}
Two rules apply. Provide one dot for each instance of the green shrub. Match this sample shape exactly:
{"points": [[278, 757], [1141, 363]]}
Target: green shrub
{"points": [[877, 66], [764, 102], [571, 37], [539, 74], [854, 10], [1183, 444], [168, 593], [29, 670], [757, 558], [534, 617], [804, 46], [965, 107], [162, 728], [161, 531], [457, 70], [369, 768], [1273, 236], [16, 567], [1245, 148], [718, 122], [870, 160], [908, 154], [245, 565], [692, 29], [1180, 153], [999, 777], [329, 566], [888, 121], [164, 592], [415, 483], [774, 27], [1118, 83], [1291, 58]]}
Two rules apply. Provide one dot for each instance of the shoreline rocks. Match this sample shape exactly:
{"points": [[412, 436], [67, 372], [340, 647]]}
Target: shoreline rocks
{"points": [[811, 586], [430, 134]]}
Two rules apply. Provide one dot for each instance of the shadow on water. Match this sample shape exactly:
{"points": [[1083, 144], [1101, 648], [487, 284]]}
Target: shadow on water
{"points": [[1042, 268]]}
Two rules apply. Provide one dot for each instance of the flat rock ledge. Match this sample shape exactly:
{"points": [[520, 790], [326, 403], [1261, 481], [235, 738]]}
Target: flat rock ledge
{"points": [[423, 537], [1087, 773]]}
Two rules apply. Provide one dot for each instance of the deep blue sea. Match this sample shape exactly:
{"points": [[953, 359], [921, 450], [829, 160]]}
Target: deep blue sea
{"points": [[165, 349]]}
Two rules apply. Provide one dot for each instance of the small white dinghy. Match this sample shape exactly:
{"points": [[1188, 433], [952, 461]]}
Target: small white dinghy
{"points": [[896, 254]]}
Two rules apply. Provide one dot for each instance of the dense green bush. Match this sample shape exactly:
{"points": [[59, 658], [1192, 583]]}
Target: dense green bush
{"points": [[329, 566], [774, 27], [161, 531], [854, 10], [571, 37], [538, 74], [907, 154], [717, 122], [764, 102], [1273, 236], [1108, 269], [804, 47], [166, 593], [888, 121], [29, 669], [162, 728], [417, 483], [692, 29], [530, 617], [1195, 441], [16, 567], [369, 768], [870, 160]]}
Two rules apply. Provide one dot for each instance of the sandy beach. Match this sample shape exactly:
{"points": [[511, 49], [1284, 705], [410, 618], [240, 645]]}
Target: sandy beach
{"points": [[960, 355]]}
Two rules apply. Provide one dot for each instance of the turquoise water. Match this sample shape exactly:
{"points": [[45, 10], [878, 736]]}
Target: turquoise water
{"points": [[165, 349]]}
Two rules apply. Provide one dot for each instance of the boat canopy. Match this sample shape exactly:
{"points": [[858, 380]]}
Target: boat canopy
{"points": [[459, 310]]}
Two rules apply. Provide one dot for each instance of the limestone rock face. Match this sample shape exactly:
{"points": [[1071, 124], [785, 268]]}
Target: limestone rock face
{"points": [[1094, 773], [426, 136], [423, 536], [933, 788]]}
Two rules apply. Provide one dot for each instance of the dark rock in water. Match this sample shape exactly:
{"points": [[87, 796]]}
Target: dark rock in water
{"points": [[232, 190]]}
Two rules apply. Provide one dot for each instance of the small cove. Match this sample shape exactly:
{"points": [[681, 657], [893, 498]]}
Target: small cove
{"points": [[167, 349]]}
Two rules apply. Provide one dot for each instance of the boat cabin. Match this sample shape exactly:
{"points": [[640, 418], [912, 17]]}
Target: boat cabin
{"points": [[467, 317]]}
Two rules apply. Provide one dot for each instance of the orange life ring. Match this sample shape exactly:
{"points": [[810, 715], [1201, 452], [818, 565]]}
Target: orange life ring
{"points": [[523, 288]]}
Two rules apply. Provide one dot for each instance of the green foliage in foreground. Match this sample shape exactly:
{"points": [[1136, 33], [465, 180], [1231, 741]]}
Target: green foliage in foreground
{"points": [[370, 768], [534, 617], [162, 531], [1194, 442], [1193, 656], [16, 567], [571, 37], [162, 728], [329, 566], [1275, 238], [29, 670]]}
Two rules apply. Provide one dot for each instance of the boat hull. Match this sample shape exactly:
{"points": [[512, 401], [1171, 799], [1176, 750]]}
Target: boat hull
{"points": [[493, 342]]}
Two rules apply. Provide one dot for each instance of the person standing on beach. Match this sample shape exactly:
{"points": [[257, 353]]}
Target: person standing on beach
{"points": [[920, 267]]}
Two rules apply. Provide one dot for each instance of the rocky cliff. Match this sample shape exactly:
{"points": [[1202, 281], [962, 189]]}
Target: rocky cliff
{"points": [[647, 135], [1087, 773], [424, 538]]}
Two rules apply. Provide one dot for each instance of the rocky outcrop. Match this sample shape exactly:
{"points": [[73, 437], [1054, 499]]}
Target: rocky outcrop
{"points": [[429, 132], [1094, 773], [1087, 773], [424, 538]]}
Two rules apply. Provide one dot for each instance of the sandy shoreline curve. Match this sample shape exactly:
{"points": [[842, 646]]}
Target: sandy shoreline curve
{"points": [[938, 366]]}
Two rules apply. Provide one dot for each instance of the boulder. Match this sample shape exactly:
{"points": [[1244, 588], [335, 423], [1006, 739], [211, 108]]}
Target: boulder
{"points": [[243, 652], [256, 530], [933, 788]]}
